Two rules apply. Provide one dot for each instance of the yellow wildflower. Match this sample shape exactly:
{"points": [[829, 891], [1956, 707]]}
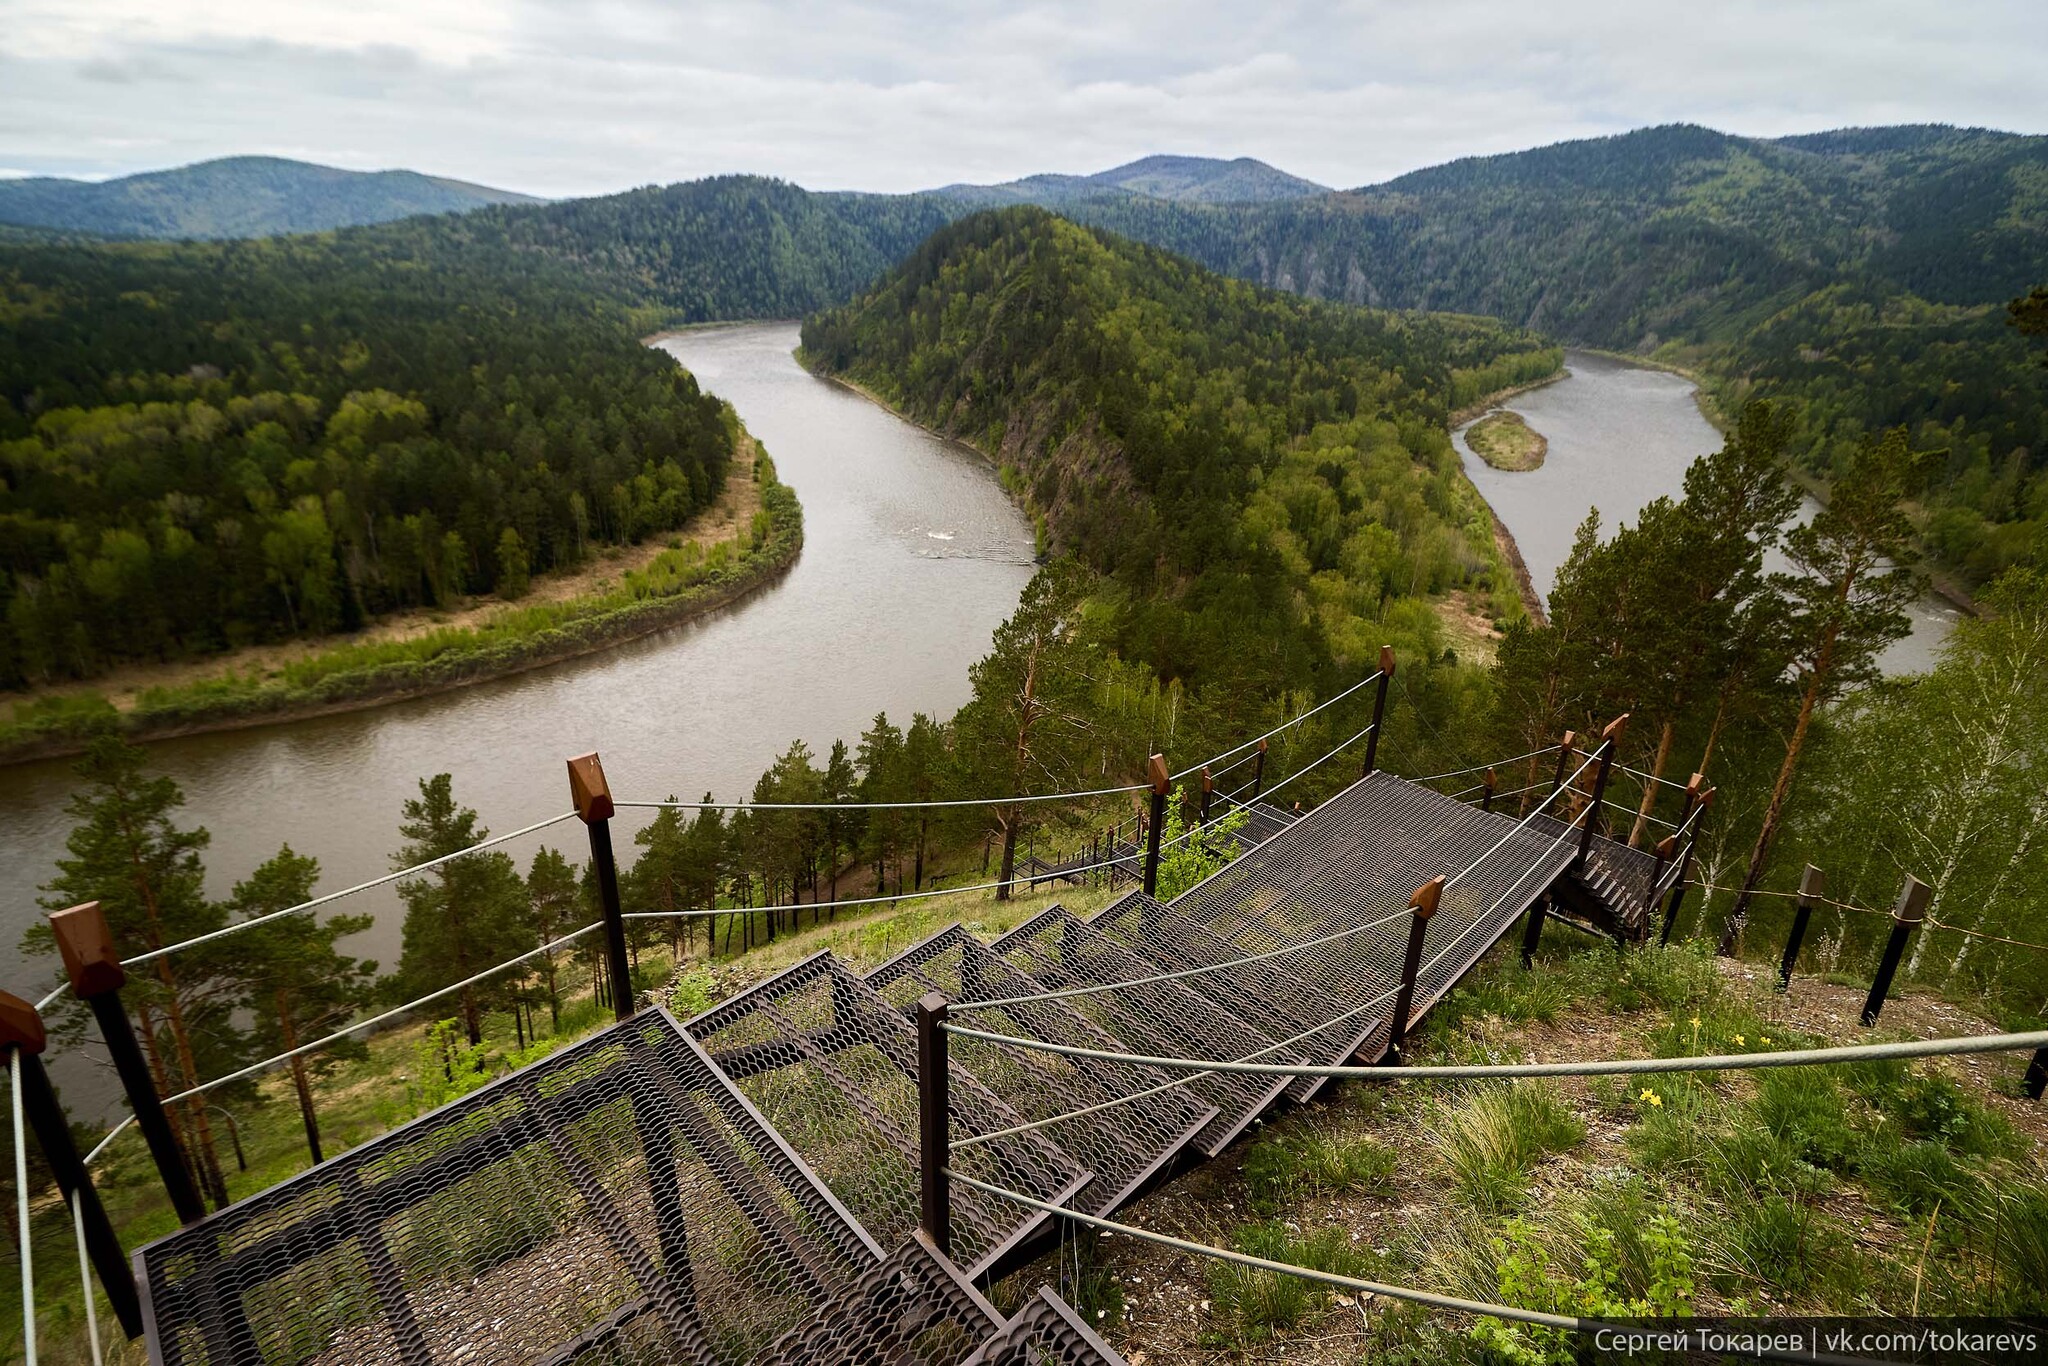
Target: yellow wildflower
{"points": [[1740, 1041], [1650, 1097]]}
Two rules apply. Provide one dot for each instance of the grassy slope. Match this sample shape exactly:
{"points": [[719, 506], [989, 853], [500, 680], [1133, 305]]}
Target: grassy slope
{"points": [[1799, 1193]]}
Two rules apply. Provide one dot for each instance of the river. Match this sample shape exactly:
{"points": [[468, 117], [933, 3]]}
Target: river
{"points": [[1620, 436], [912, 556]]}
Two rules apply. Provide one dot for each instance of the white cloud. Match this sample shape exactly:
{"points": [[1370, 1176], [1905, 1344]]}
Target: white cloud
{"points": [[567, 98]]}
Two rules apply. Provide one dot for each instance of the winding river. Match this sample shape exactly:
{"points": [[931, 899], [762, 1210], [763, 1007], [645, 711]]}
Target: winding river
{"points": [[912, 556], [1620, 436]]}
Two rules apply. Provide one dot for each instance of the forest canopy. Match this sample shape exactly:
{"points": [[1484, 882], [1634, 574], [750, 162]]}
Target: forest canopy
{"points": [[206, 445]]}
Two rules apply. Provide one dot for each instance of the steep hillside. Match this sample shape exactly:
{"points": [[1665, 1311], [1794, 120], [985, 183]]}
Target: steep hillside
{"points": [[238, 197], [1267, 478]]}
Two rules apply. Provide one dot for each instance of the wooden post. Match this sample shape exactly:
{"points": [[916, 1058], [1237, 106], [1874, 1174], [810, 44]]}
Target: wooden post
{"points": [[1208, 792], [1422, 905], [1160, 785], [1698, 796], [1491, 786], [1812, 885], [1604, 756], [1907, 913], [592, 797], [21, 1033], [1259, 771], [1379, 710], [1532, 930], [1564, 768], [96, 974], [935, 1214]]}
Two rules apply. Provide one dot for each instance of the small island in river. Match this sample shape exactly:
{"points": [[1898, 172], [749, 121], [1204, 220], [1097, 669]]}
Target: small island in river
{"points": [[1507, 442]]}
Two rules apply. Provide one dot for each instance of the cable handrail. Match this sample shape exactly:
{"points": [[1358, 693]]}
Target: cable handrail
{"points": [[21, 1213], [395, 1011], [1652, 778], [1399, 1292], [1372, 677], [1605, 1067], [304, 906], [1066, 993], [886, 806], [1481, 768]]}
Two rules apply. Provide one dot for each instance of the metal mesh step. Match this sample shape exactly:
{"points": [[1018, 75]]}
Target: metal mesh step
{"points": [[1266, 995], [618, 1200], [1353, 865], [833, 1067], [915, 1309], [1617, 877], [1045, 1332], [1126, 1146], [1164, 1019]]}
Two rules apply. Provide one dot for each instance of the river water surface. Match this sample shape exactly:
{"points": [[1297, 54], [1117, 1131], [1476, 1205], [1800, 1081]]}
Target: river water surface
{"points": [[1620, 436], [912, 556]]}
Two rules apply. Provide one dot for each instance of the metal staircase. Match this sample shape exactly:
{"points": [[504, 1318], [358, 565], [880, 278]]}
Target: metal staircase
{"points": [[721, 1192]]}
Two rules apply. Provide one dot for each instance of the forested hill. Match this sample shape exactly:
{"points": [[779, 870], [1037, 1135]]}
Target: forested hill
{"points": [[204, 445], [704, 251], [1191, 180], [1861, 275], [237, 197], [1267, 479]]}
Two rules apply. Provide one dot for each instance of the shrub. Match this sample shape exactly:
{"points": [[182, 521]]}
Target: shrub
{"points": [[1530, 1277]]}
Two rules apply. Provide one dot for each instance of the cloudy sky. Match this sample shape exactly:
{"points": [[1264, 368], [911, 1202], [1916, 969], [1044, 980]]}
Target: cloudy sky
{"points": [[561, 97]]}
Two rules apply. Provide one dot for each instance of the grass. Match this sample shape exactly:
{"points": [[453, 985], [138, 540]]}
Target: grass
{"points": [[1491, 1140], [1886, 1189]]}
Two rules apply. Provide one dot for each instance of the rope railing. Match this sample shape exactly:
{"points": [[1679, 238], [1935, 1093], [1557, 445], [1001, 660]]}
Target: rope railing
{"points": [[253, 1068], [304, 906], [1372, 677], [1930, 921], [1610, 1067], [1400, 1292], [1066, 993]]}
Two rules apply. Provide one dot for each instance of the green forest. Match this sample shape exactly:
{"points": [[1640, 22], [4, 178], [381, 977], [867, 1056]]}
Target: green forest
{"points": [[1264, 483], [203, 446], [1858, 278]]}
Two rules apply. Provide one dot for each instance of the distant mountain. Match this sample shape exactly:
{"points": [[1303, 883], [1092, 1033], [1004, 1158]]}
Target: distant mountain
{"points": [[237, 197], [1183, 180]]}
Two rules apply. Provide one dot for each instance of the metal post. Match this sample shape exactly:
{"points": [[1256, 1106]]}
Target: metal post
{"points": [[1491, 786], [1604, 755], [96, 974], [1159, 789], [1812, 885], [1698, 796], [1379, 709], [1564, 760], [1907, 913], [1532, 930], [935, 1199], [1422, 904], [592, 797], [2037, 1074], [21, 1030], [1208, 792], [1259, 771]]}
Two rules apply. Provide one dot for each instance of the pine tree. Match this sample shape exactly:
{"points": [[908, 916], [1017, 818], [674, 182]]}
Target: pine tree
{"points": [[1028, 729], [553, 899], [462, 916], [300, 986], [127, 853], [1847, 601]]}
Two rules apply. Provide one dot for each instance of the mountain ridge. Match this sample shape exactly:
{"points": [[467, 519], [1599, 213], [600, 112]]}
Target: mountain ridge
{"points": [[241, 196]]}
